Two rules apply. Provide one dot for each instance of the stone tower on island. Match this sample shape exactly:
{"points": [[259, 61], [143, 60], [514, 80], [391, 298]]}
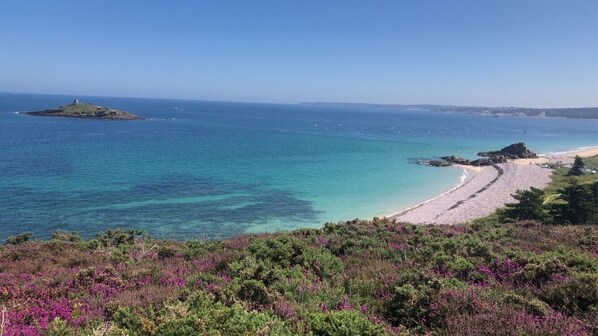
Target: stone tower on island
{"points": [[76, 101]]}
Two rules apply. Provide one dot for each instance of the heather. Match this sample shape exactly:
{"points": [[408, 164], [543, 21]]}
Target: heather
{"points": [[360, 277]]}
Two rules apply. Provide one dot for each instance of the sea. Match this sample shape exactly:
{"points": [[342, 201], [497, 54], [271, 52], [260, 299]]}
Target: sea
{"points": [[212, 170]]}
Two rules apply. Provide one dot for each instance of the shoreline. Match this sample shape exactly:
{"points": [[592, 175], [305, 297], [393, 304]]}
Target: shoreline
{"points": [[486, 189], [564, 157], [470, 172]]}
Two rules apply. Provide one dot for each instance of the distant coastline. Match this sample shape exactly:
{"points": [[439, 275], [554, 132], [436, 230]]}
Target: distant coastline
{"points": [[574, 112]]}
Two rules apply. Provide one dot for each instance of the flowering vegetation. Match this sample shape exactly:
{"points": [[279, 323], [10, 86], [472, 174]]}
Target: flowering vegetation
{"points": [[356, 278]]}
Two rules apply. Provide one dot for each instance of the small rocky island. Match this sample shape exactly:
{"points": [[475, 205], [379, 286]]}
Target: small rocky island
{"points": [[511, 152], [86, 110]]}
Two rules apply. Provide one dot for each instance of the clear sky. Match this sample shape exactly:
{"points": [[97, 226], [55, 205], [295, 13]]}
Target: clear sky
{"points": [[541, 53]]}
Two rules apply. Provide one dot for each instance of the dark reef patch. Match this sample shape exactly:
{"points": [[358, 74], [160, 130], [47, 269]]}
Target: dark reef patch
{"points": [[177, 207]]}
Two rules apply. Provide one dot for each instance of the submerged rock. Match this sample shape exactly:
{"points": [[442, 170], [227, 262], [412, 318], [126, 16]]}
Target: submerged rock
{"points": [[434, 163], [456, 160]]}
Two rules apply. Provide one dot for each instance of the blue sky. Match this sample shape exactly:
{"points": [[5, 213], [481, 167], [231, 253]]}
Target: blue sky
{"points": [[541, 53]]}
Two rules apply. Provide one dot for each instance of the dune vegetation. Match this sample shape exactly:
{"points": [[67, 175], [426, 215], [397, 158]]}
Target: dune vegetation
{"points": [[501, 275]]}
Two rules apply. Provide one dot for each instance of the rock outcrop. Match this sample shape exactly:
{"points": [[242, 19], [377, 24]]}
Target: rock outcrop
{"points": [[514, 151], [88, 110], [511, 152], [456, 160], [434, 163]]}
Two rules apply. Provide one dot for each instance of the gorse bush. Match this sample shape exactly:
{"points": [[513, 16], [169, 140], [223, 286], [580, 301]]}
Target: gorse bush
{"points": [[18, 239], [572, 295], [343, 323]]}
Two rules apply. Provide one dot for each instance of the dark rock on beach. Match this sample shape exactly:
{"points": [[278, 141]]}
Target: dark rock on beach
{"points": [[435, 163], [514, 151], [456, 160], [479, 162], [511, 152]]}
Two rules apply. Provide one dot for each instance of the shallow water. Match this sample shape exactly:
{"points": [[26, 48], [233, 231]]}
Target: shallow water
{"points": [[208, 169]]}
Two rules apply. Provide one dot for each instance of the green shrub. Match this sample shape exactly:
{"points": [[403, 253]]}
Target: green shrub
{"points": [[441, 260], [199, 301], [461, 267], [189, 326], [254, 291], [572, 295], [125, 318], [476, 248], [542, 271], [322, 262], [341, 246], [451, 244], [165, 252], [532, 306], [66, 237], [115, 238], [18, 239], [235, 320], [284, 250], [409, 306], [452, 283], [342, 323], [194, 249], [250, 268], [120, 254], [59, 327]]}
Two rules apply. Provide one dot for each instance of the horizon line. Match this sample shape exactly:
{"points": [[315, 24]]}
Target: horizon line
{"points": [[296, 103]]}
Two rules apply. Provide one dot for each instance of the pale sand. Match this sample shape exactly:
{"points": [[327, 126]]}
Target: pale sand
{"points": [[567, 157], [485, 190], [480, 196]]}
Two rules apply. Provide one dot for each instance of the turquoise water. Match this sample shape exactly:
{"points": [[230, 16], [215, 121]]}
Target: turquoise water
{"points": [[209, 169]]}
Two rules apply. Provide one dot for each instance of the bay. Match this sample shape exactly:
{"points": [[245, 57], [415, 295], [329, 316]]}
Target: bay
{"points": [[198, 169]]}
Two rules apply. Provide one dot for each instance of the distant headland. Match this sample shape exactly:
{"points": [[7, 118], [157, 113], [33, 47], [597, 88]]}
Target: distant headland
{"points": [[574, 112], [86, 110]]}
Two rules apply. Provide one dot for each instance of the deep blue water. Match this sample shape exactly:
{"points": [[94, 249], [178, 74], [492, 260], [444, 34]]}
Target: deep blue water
{"points": [[211, 169]]}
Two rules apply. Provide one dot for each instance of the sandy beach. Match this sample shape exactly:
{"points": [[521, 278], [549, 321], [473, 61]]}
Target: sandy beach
{"points": [[566, 157], [486, 189]]}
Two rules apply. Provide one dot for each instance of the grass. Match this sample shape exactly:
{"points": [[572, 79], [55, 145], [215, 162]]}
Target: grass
{"points": [[82, 108]]}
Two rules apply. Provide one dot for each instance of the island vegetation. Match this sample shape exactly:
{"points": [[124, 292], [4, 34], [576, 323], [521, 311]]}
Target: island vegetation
{"points": [[86, 110], [529, 269]]}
